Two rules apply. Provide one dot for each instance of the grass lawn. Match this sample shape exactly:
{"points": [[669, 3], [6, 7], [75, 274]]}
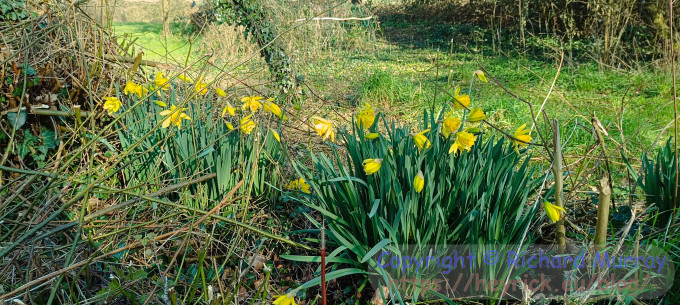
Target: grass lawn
{"points": [[171, 49]]}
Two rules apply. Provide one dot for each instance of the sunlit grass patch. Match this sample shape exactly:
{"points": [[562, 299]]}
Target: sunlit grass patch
{"points": [[149, 36], [404, 79]]}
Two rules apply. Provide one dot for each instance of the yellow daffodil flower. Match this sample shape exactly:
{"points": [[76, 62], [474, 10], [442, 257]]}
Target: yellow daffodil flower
{"points": [[132, 88], [185, 78], [464, 141], [372, 136], [220, 92], [523, 136], [553, 211], [421, 140], [161, 82], [372, 166], [293, 185], [299, 185], [251, 103], [462, 101], [230, 126], [286, 299], [270, 107], [324, 128], [365, 116], [481, 76], [160, 103], [201, 87], [450, 126], [476, 115], [276, 135], [174, 117], [304, 186], [229, 109], [454, 149], [419, 182], [247, 125], [111, 104]]}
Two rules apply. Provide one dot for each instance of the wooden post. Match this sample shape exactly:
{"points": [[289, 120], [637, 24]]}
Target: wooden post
{"points": [[602, 213], [559, 184]]}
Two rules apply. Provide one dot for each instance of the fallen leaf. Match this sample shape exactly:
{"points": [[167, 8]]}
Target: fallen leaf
{"points": [[378, 298], [256, 261]]}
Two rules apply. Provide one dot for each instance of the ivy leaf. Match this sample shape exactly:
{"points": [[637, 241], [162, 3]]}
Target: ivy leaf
{"points": [[29, 138], [22, 150], [16, 120], [29, 69], [48, 138], [41, 156]]}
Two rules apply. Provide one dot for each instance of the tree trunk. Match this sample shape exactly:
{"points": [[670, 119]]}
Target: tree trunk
{"points": [[165, 7], [253, 16]]}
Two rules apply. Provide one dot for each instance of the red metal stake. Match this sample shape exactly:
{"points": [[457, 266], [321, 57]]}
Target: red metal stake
{"points": [[323, 264]]}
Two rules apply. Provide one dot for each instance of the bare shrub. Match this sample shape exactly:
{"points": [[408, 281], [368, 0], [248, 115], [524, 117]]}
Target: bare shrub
{"points": [[143, 10]]}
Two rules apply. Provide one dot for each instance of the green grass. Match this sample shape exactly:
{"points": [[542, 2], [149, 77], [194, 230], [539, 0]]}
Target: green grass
{"points": [[171, 49], [402, 80]]}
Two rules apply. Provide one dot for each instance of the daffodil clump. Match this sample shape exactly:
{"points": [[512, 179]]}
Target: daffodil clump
{"points": [[444, 182], [193, 127]]}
